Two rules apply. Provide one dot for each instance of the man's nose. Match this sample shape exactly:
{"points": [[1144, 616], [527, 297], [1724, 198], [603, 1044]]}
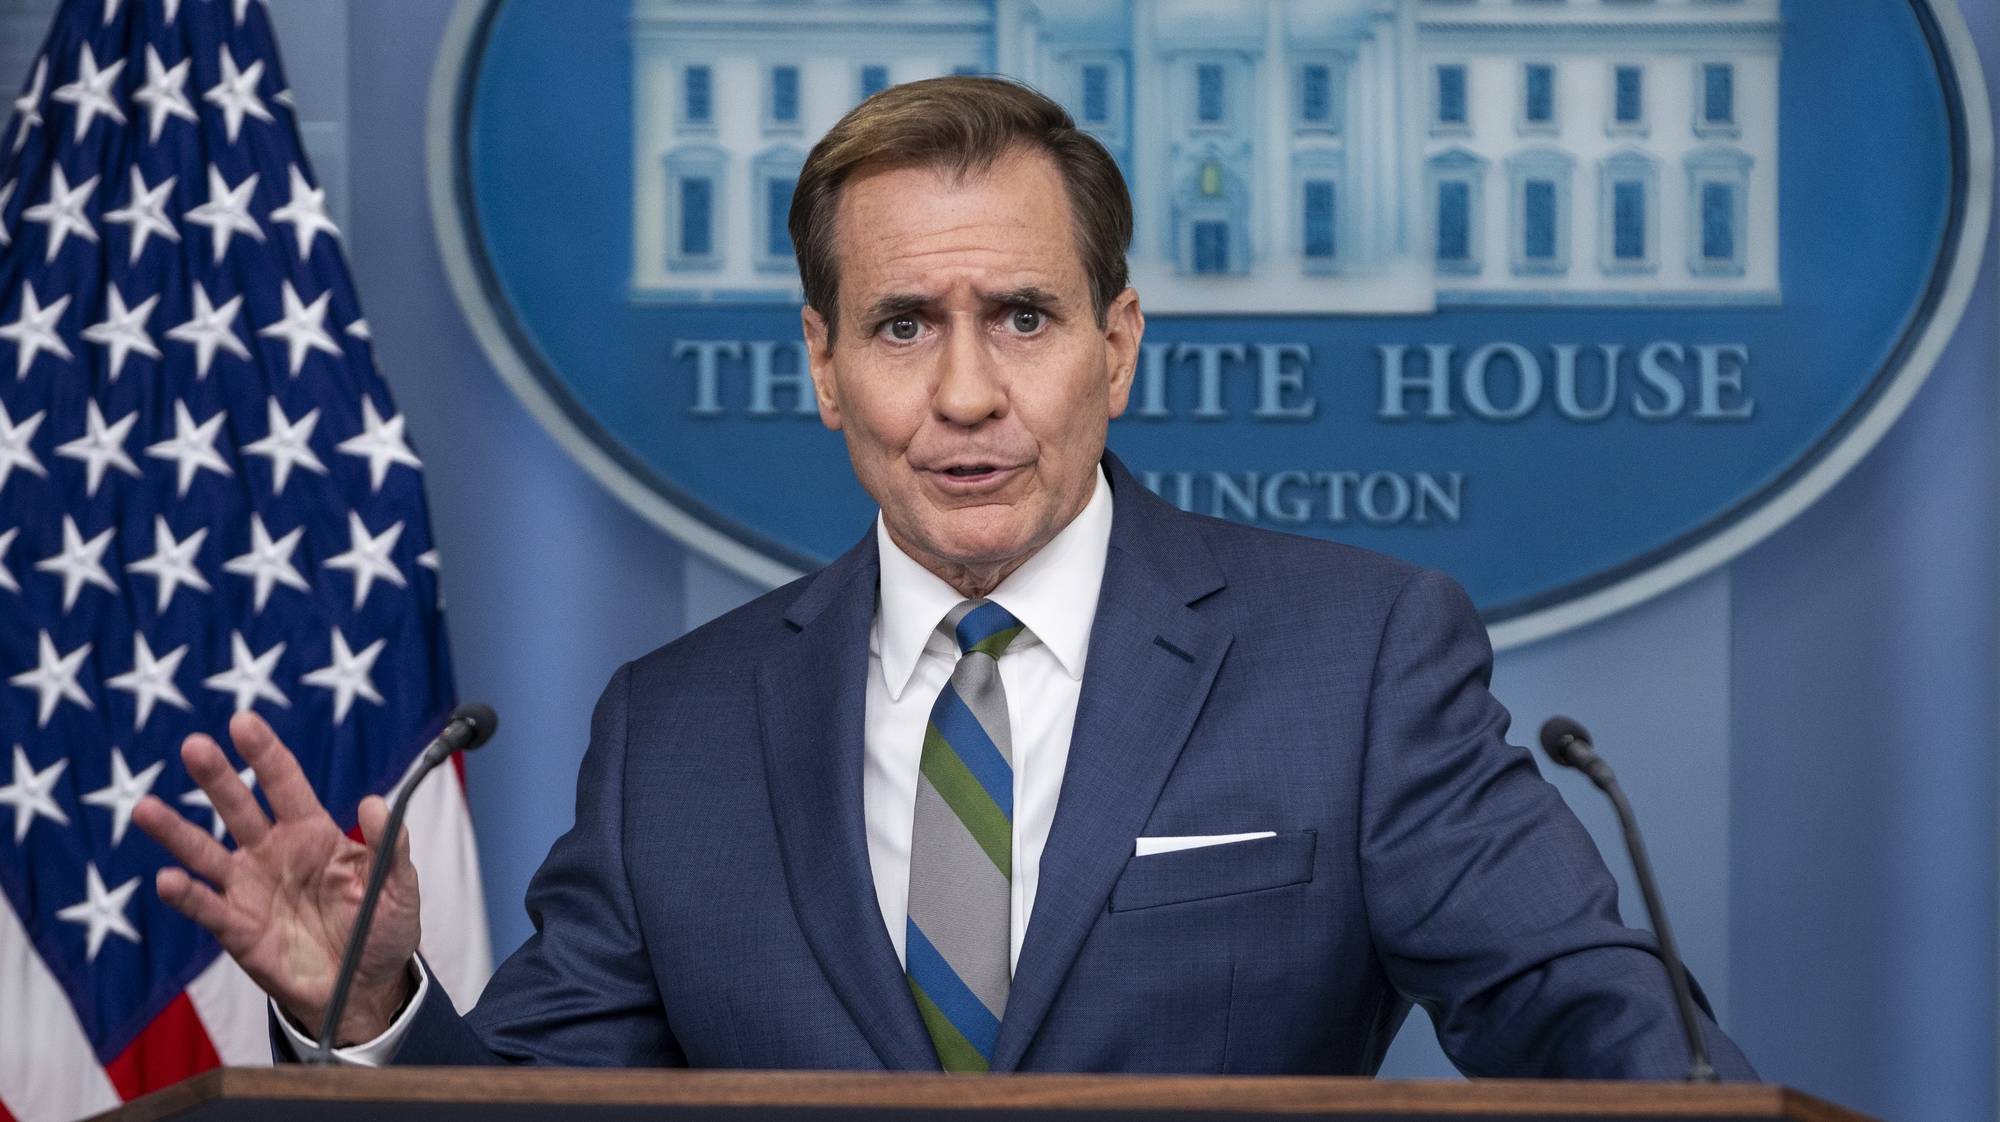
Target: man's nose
{"points": [[969, 384]]}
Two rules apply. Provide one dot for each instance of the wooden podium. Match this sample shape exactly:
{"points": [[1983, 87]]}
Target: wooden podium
{"points": [[300, 1094]]}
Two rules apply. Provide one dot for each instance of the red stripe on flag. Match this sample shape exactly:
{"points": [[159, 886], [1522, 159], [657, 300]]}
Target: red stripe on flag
{"points": [[4, 1116], [172, 1048]]}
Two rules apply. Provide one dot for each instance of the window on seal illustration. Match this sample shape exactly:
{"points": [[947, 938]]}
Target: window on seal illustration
{"points": [[1211, 94], [1538, 97], [1096, 94], [874, 79], [781, 103], [1540, 181], [1449, 110], [1719, 187], [1456, 181], [1628, 99], [1626, 232], [1715, 99], [695, 207], [774, 175], [1211, 247], [1318, 108], [1320, 226], [697, 96]]}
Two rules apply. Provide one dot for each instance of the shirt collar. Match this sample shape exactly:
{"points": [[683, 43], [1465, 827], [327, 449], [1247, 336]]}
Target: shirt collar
{"points": [[1053, 594]]}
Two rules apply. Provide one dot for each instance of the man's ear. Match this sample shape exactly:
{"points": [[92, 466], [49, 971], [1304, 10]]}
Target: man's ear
{"points": [[1124, 326], [819, 359]]}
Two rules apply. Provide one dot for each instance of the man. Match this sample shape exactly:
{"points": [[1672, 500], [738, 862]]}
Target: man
{"points": [[1043, 774]]}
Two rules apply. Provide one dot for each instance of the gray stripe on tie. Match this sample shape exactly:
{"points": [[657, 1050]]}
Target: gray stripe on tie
{"points": [[960, 900]]}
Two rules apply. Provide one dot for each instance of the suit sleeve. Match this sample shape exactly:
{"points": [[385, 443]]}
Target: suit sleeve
{"points": [[1488, 902], [580, 992]]}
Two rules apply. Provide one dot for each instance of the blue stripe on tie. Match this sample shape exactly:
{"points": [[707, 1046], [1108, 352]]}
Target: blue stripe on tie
{"points": [[982, 623], [944, 987], [968, 739]]}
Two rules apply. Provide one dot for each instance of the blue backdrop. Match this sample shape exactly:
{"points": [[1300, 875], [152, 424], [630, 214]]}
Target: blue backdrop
{"points": [[1810, 733]]}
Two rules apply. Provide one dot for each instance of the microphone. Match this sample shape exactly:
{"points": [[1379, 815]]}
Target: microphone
{"points": [[1568, 744], [469, 726]]}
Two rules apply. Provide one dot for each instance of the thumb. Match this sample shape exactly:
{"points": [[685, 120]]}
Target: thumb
{"points": [[374, 816]]}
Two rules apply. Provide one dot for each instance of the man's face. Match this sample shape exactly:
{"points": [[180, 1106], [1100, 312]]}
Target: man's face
{"points": [[968, 372]]}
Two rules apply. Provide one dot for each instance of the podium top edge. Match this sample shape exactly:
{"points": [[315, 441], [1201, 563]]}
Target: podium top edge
{"points": [[1237, 1095]]}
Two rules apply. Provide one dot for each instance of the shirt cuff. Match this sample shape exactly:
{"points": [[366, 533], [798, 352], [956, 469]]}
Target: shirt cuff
{"points": [[377, 1052]]}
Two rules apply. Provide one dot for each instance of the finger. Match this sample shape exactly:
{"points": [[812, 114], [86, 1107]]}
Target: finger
{"points": [[225, 790], [190, 844], [374, 817], [196, 901], [285, 785]]}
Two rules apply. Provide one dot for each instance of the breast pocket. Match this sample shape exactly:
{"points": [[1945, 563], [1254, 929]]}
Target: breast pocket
{"points": [[1215, 871]]}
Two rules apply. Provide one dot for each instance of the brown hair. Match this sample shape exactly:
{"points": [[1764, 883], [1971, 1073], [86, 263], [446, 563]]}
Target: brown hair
{"points": [[960, 125]]}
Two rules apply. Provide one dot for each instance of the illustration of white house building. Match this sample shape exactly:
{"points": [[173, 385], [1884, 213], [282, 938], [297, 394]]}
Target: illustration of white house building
{"points": [[1284, 156]]}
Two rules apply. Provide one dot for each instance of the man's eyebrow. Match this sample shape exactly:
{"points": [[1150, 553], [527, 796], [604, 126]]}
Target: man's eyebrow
{"points": [[1027, 295], [895, 304]]}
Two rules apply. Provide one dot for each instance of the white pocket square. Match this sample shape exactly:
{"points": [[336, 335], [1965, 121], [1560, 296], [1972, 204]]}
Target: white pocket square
{"points": [[1146, 847]]}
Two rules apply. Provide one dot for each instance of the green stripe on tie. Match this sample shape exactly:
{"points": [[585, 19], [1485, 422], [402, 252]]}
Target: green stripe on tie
{"points": [[996, 643], [982, 817], [955, 1052]]}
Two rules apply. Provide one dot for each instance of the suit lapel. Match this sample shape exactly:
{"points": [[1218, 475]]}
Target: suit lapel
{"points": [[1152, 661], [811, 694]]}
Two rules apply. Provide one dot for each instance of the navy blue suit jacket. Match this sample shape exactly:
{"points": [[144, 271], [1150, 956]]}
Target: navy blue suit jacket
{"points": [[713, 904]]}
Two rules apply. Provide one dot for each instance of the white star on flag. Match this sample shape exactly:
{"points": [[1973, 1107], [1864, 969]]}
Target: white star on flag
{"points": [[146, 213], [29, 105], [6, 193], [7, 581], [172, 562], [347, 675], [367, 557], [306, 212], [288, 444], [236, 94], [91, 92], [247, 679], [124, 792], [151, 679], [303, 328], [227, 211], [380, 442], [359, 329], [54, 678], [35, 331], [193, 446], [63, 212], [211, 327], [101, 446], [102, 912], [30, 793], [199, 799], [165, 92], [124, 329], [14, 441], [80, 562], [268, 563]]}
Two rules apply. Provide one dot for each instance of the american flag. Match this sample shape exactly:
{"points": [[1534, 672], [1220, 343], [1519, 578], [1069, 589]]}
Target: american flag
{"points": [[208, 503]]}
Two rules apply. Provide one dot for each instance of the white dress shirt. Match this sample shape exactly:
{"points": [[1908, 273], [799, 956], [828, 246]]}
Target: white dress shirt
{"points": [[910, 658]]}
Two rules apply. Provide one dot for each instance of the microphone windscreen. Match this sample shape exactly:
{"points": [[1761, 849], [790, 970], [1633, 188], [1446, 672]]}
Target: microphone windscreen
{"points": [[1559, 734], [481, 717]]}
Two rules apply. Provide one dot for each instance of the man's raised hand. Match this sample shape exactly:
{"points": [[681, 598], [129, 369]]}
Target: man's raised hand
{"points": [[282, 903]]}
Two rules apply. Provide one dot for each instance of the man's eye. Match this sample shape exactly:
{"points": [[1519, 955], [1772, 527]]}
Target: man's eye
{"points": [[902, 329], [1027, 321]]}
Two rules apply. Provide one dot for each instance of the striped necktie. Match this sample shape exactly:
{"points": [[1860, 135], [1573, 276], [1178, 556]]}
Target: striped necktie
{"points": [[962, 848]]}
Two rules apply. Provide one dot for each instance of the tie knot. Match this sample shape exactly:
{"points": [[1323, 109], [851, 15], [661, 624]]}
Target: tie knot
{"points": [[982, 625]]}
